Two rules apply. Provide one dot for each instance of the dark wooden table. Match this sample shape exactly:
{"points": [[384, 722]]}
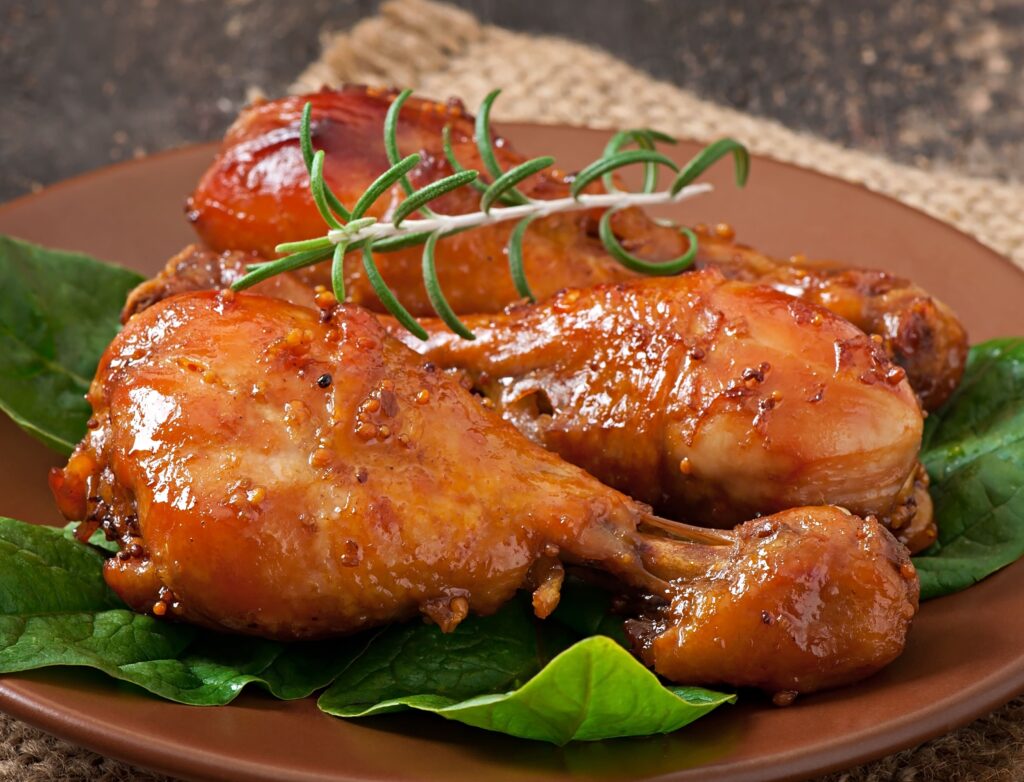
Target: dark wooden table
{"points": [[935, 82]]}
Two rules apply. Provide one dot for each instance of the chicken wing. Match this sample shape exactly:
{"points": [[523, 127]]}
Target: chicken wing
{"points": [[712, 400], [274, 472], [256, 195]]}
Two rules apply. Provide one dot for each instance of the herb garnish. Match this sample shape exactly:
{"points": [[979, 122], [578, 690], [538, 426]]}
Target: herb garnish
{"points": [[351, 229]]}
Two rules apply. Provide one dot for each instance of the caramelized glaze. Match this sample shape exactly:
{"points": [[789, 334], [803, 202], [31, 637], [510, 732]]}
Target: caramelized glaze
{"points": [[713, 400], [808, 598], [917, 331], [256, 195], [274, 472]]}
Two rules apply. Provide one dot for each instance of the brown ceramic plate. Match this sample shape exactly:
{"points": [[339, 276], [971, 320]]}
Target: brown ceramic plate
{"points": [[966, 652]]}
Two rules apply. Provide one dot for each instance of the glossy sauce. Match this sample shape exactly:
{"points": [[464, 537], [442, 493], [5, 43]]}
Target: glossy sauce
{"points": [[256, 195], [271, 471], [712, 400]]}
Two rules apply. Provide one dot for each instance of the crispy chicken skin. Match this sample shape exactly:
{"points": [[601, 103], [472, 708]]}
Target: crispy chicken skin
{"points": [[274, 472], [712, 400], [256, 195]]}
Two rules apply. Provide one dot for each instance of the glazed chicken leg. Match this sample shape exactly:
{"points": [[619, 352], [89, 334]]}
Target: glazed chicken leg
{"points": [[526, 377], [274, 472], [256, 195], [712, 400]]}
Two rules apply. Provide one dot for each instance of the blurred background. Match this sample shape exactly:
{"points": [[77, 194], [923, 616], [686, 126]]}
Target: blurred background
{"points": [[937, 84]]}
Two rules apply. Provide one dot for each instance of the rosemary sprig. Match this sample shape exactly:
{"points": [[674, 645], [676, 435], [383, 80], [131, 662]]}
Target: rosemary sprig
{"points": [[437, 299], [515, 258], [484, 142], [391, 135], [414, 223]]}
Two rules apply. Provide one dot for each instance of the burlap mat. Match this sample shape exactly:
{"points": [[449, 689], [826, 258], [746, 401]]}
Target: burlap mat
{"points": [[444, 51]]}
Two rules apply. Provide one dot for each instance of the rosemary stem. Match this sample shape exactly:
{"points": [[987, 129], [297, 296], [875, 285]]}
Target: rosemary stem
{"points": [[445, 223]]}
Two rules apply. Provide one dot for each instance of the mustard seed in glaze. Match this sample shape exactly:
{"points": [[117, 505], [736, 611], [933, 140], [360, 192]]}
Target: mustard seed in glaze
{"points": [[325, 300], [365, 431]]}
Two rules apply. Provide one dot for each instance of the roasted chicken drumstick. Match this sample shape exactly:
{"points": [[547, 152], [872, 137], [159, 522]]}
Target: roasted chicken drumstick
{"points": [[712, 400], [274, 471], [647, 432], [256, 195]]}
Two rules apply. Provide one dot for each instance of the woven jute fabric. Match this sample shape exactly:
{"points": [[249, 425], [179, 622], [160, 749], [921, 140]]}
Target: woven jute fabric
{"points": [[442, 51]]}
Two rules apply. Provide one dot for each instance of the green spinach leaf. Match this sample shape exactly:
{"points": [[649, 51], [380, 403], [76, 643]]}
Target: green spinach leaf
{"points": [[482, 655], [487, 673], [58, 312], [974, 454], [586, 610], [98, 539], [55, 609], [42, 572], [593, 690]]}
